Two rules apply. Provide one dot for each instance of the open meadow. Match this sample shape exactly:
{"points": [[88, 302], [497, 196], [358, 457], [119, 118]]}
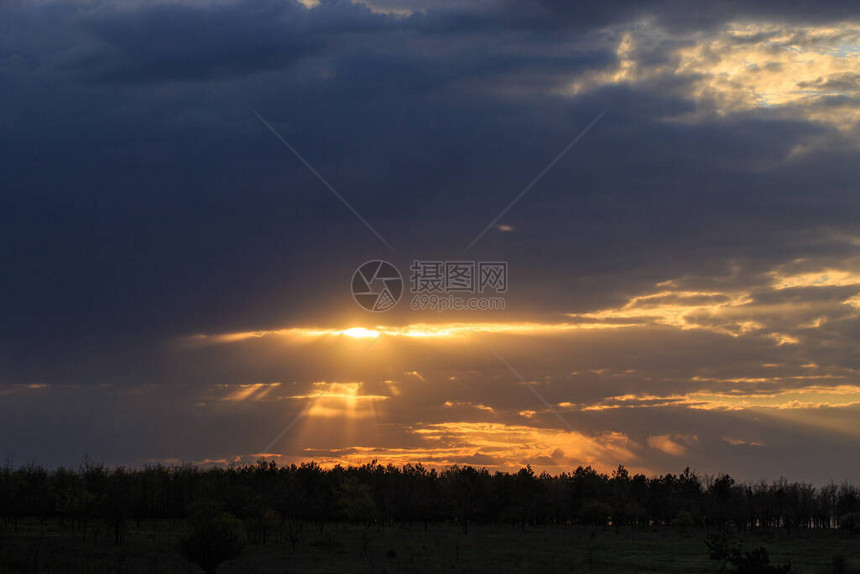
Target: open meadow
{"points": [[342, 547]]}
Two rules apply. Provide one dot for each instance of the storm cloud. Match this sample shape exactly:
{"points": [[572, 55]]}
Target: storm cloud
{"points": [[684, 282]]}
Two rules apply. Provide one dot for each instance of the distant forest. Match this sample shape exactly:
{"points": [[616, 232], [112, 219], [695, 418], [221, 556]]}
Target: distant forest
{"points": [[265, 497]]}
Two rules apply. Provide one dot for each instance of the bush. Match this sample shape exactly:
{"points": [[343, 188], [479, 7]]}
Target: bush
{"points": [[725, 548], [214, 537]]}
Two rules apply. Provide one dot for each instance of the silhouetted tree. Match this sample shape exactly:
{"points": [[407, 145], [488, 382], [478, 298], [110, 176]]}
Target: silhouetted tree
{"points": [[267, 497], [214, 537]]}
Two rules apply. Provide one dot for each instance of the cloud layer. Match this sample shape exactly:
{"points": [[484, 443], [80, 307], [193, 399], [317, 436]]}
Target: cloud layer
{"points": [[684, 284]]}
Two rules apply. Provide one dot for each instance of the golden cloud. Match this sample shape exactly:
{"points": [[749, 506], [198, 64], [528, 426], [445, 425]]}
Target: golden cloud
{"points": [[798, 72]]}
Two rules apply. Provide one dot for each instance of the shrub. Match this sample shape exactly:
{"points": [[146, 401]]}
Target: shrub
{"points": [[213, 537]]}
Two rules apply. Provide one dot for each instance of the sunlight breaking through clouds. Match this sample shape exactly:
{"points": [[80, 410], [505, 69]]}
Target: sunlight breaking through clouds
{"points": [[822, 278], [808, 70], [672, 444], [798, 72], [341, 400], [492, 445], [755, 309], [416, 331], [735, 398], [177, 283], [251, 391]]}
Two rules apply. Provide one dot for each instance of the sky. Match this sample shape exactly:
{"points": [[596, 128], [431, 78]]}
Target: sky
{"points": [[187, 188]]}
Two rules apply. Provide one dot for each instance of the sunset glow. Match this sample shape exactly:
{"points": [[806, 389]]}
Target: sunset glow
{"points": [[492, 233]]}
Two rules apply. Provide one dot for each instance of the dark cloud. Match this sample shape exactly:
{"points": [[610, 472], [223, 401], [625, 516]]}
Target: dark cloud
{"points": [[176, 42], [677, 14]]}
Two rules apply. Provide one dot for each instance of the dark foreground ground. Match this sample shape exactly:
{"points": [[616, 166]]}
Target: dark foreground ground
{"points": [[150, 548]]}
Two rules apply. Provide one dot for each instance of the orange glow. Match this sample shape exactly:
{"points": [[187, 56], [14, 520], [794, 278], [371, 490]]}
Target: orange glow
{"points": [[491, 445], [814, 396], [675, 445], [418, 331], [361, 333], [340, 400], [822, 278], [795, 71], [351, 422], [254, 390]]}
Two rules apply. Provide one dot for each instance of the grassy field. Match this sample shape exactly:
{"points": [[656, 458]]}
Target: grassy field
{"points": [[440, 548]]}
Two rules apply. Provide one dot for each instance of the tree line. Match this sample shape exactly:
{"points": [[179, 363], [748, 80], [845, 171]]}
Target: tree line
{"points": [[267, 497]]}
